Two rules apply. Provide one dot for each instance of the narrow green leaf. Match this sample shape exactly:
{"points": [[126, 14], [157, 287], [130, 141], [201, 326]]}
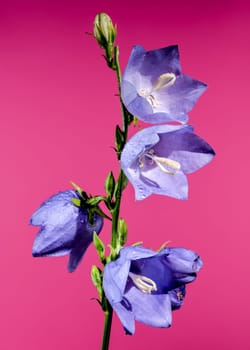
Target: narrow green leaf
{"points": [[122, 231], [98, 211], [99, 246], [119, 139], [96, 276], [110, 185], [79, 190], [94, 200]]}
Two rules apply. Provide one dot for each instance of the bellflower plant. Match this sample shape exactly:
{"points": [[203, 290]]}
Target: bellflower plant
{"points": [[137, 283], [157, 159], [154, 89], [146, 286], [65, 228]]}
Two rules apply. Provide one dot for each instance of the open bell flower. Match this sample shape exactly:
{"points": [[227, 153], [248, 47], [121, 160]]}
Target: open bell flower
{"points": [[153, 88], [146, 286], [157, 159], [65, 228]]}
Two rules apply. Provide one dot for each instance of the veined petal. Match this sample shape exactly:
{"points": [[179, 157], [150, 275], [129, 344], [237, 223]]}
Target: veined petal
{"points": [[83, 238], [116, 272], [135, 60], [115, 279], [153, 88], [152, 310], [151, 290], [183, 260], [54, 209], [175, 186], [180, 97], [156, 159], [125, 315], [54, 240], [65, 228]]}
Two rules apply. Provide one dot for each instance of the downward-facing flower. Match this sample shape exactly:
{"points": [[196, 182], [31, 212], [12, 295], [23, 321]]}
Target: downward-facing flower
{"points": [[154, 89], [65, 228], [156, 159], [146, 286]]}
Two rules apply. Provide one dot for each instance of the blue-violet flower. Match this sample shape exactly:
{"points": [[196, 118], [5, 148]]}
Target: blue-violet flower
{"points": [[146, 286], [153, 88], [156, 159], [65, 228]]}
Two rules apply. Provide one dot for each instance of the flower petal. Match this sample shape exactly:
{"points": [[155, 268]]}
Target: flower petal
{"points": [[180, 97], [65, 228], [54, 240], [158, 182], [56, 210], [184, 263], [126, 317], [152, 310], [191, 151], [148, 96], [83, 238], [116, 272]]}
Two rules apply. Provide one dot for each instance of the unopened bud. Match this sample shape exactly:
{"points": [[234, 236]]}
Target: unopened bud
{"points": [[104, 31]]}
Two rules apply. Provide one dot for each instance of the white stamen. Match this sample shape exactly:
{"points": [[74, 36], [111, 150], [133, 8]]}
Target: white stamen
{"points": [[161, 162], [145, 284], [164, 81]]}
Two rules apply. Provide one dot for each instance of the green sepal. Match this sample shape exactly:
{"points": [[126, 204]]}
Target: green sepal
{"points": [[124, 181], [77, 202], [79, 190], [122, 230], [136, 244], [93, 201], [119, 139], [96, 276], [99, 211], [99, 246], [110, 185], [163, 246]]}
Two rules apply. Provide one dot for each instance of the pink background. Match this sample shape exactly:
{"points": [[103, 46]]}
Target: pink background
{"points": [[58, 113]]}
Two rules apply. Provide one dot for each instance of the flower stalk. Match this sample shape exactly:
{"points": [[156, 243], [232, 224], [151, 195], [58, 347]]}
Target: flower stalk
{"points": [[108, 315], [115, 211]]}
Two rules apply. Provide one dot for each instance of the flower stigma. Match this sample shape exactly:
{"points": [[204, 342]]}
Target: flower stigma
{"points": [[143, 283], [164, 81], [163, 163]]}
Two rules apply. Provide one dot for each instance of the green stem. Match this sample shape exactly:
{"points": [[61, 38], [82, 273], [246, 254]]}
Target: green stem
{"points": [[119, 79], [115, 214], [108, 311], [116, 210], [107, 325]]}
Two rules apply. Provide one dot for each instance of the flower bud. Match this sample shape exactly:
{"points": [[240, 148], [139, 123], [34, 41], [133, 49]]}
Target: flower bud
{"points": [[104, 31]]}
